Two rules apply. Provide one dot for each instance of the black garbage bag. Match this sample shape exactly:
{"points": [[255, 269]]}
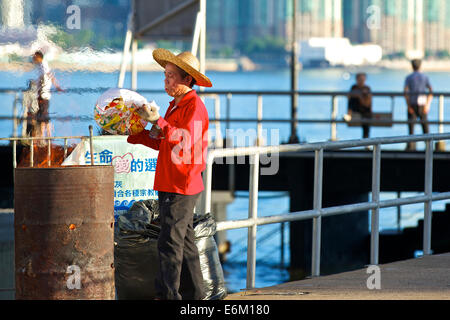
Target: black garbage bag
{"points": [[213, 279], [136, 254], [140, 219]]}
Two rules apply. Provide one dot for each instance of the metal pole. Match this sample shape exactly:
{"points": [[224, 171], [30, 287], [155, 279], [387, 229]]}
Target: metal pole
{"points": [[91, 144], [207, 182], [14, 160], [252, 214], [196, 37], [219, 138], [399, 213], [14, 154], [428, 192], [203, 38], [317, 222], [230, 162], [392, 105], [126, 52], [15, 121], [334, 112], [32, 153], [440, 145], [374, 237], [294, 76], [65, 148], [441, 113], [228, 111], [282, 245], [134, 71], [24, 118], [49, 153], [259, 141]]}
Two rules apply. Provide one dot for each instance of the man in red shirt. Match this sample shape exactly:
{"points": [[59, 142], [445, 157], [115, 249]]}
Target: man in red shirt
{"points": [[182, 140]]}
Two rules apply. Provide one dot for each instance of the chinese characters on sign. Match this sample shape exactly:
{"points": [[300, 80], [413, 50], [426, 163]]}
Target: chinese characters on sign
{"points": [[134, 167]]}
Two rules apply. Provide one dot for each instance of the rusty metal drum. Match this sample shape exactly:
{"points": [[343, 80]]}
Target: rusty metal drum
{"points": [[64, 232]]}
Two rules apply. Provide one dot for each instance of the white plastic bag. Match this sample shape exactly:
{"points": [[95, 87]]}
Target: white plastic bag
{"points": [[115, 111]]}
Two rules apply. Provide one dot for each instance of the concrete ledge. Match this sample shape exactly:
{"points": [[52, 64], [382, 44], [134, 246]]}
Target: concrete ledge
{"points": [[426, 278]]}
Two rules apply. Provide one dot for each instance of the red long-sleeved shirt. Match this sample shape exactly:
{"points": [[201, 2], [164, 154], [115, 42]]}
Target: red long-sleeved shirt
{"points": [[182, 146]]}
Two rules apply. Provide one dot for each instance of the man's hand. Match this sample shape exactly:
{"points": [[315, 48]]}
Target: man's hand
{"points": [[155, 131], [148, 113], [426, 108]]}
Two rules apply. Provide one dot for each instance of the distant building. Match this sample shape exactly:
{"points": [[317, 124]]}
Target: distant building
{"points": [[106, 18], [233, 22], [396, 25], [437, 25], [325, 52], [12, 14], [318, 18], [409, 27]]}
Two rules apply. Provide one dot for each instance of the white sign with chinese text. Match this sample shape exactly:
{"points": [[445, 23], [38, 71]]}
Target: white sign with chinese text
{"points": [[134, 167]]}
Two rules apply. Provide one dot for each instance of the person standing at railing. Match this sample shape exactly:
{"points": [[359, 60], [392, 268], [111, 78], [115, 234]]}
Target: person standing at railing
{"points": [[182, 141], [360, 102], [417, 85], [44, 82]]}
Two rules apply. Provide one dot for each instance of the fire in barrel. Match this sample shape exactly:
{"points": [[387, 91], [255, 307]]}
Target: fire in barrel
{"points": [[64, 239]]}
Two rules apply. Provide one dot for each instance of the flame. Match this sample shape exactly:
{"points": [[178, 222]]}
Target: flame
{"points": [[41, 158]]}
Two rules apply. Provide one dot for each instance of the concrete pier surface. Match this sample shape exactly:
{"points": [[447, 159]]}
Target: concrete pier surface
{"points": [[425, 278]]}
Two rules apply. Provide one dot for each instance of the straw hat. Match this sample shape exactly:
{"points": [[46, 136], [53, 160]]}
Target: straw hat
{"points": [[185, 61]]}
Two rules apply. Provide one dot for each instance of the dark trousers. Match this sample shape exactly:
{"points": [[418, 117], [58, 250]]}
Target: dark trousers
{"points": [[35, 120], [366, 126], [180, 276], [366, 114], [418, 112], [42, 114]]}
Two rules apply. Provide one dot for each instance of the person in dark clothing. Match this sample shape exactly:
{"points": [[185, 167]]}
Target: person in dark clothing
{"points": [[360, 101], [418, 101]]}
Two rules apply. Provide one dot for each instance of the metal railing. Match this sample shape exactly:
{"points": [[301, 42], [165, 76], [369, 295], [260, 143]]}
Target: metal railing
{"points": [[318, 148], [318, 212], [217, 119], [48, 140], [334, 109]]}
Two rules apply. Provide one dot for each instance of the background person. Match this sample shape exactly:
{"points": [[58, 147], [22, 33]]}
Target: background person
{"points": [[360, 101], [418, 101], [30, 108], [44, 84], [182, 145]]}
